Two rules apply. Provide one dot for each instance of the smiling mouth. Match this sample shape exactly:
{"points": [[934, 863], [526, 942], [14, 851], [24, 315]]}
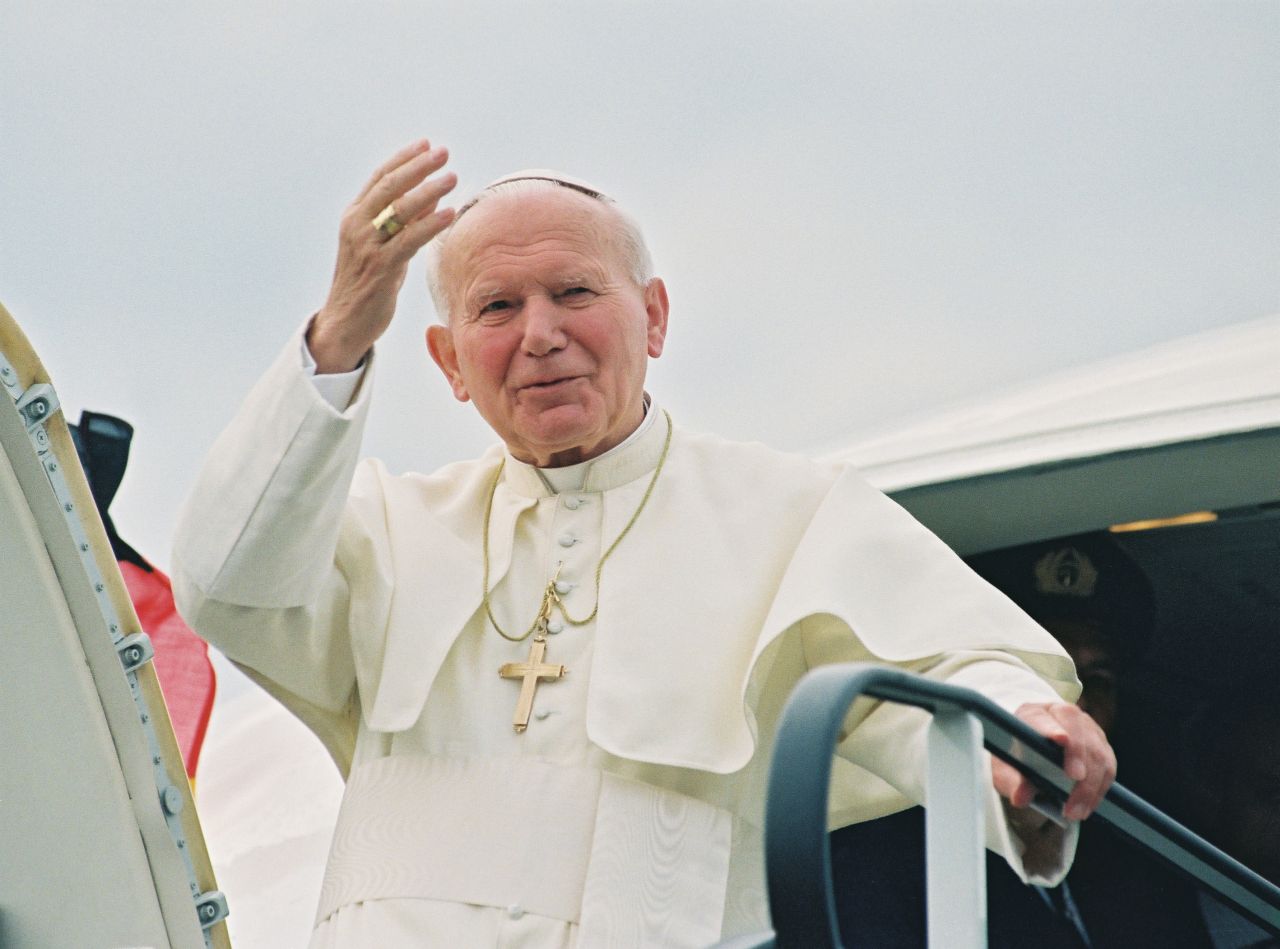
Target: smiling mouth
{"points": [[550, 384]]}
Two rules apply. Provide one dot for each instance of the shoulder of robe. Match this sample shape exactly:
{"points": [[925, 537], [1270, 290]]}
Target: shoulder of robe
{"points": [[715, 456], [452, 494]]}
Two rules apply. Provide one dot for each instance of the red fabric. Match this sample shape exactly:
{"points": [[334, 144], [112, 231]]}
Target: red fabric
{"points": [[182, 659]]}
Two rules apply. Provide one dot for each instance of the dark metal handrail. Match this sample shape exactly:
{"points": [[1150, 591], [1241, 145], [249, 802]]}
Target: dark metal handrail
{"points": [[797, 855]]}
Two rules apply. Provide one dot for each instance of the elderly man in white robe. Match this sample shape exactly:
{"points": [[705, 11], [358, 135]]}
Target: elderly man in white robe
{"points": [[551, 675]]}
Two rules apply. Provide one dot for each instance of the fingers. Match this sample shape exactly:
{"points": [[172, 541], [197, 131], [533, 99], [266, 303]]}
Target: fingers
{"points": [[396, 182], [408, 181], [419, 231], [422, 221], [1087, 758], [1099, 769], [422, 200], [1011, 783], [1046, 722], [395, 161]]}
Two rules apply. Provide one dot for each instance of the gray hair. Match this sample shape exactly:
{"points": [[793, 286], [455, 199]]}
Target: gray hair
{"points": [[635, 252]]}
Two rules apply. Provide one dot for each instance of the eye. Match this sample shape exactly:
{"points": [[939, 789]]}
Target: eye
{"points": [[576, 293], [496, 311]]}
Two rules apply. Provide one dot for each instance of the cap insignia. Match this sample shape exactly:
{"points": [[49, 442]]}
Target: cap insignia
{"points": [[1066, 572]]}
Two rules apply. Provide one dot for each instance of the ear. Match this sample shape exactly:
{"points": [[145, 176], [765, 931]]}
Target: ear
{"points": [[440, 345], [656, 307]]}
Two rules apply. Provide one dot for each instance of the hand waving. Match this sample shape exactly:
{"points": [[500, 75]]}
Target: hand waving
{"points": [[372, 261]]}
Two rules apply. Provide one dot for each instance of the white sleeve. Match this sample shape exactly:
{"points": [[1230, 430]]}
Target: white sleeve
{"points": [[253, 565], [337, 388]]}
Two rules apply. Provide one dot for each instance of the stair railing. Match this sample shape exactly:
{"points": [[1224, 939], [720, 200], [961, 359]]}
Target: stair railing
{"points": [[797, 855]]}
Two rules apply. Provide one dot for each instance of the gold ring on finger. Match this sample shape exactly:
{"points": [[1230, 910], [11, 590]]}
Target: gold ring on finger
{"points": [[387, 223]]}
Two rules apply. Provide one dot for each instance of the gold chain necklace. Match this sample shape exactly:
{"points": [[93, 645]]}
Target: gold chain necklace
{"points": [[550, 596]]}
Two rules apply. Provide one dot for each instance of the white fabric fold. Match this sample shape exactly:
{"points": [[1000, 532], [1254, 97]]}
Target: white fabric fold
{"points": [[628, 863], [490, 832]]}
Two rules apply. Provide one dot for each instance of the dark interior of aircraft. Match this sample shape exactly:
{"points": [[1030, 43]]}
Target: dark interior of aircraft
{"points": [[1200, 731], [1175, 631]]}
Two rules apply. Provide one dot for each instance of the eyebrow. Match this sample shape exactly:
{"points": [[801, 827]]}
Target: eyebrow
{"points": [[489, 292]]}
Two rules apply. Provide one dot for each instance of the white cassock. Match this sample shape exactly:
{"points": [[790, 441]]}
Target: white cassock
{"points": [[629, 812]]}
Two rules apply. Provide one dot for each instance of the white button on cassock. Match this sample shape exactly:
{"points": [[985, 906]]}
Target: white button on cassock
{"points": [[572, 503], [563, 587], [515, 911], [555, 626], [541, 715], [567, 540]]}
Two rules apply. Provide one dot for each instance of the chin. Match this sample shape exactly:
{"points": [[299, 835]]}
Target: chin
{"points": [[561, 429]]}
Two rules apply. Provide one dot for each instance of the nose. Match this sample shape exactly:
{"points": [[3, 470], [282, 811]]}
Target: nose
{"points": [[543, 327]]}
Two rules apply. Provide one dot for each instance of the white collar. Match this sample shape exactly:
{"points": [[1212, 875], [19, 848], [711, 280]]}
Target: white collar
{"points": [[634, 457]]}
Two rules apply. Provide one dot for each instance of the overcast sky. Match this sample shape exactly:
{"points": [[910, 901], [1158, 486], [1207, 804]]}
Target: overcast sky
{"points": [[863, 211]]}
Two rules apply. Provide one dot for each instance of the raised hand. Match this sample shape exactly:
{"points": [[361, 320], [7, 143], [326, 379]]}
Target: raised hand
{"points": [[373, 258]]}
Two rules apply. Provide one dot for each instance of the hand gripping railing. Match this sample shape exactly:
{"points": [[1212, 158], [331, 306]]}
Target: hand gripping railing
{"points": [[797, 857]]}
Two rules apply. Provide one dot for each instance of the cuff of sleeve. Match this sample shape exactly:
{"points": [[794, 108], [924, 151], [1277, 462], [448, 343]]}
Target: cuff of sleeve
{"points": [[337, 388], [1037, 850]]}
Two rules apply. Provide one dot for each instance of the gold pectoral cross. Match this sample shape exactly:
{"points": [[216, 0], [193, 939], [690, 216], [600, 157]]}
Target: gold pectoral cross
{"points": [[535, 669], [531, 672]]}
